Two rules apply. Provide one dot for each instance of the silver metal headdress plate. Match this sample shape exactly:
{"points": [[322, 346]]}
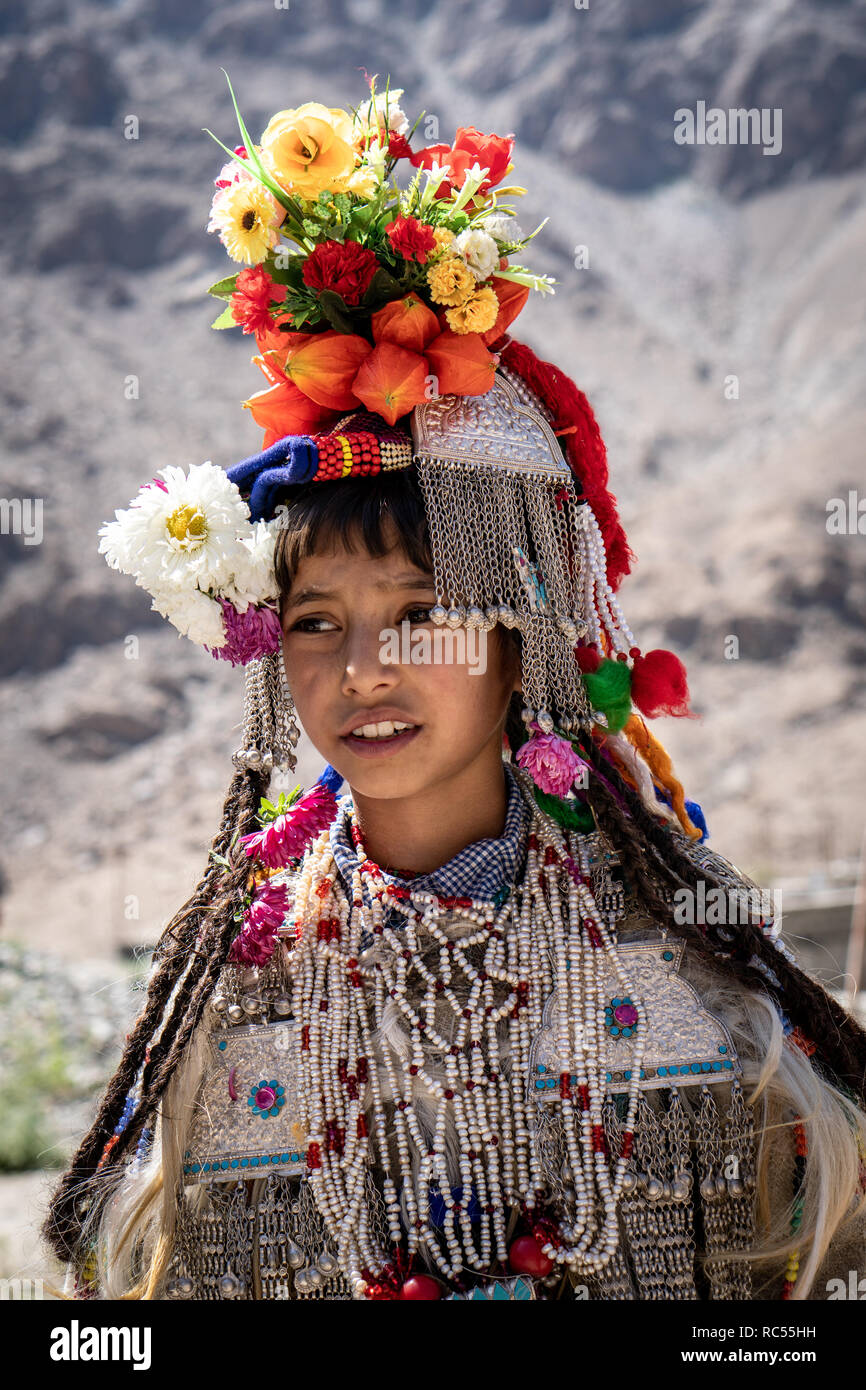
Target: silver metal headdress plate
{"points": [[497, 429]]}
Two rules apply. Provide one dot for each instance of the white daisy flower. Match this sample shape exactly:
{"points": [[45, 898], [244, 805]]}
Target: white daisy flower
{"points": [[186, 533], [478, 250], [254, 581], [194, 614]]}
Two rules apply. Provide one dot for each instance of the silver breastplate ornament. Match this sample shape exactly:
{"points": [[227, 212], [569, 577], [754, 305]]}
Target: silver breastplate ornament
{"points": [[257, 1234]]}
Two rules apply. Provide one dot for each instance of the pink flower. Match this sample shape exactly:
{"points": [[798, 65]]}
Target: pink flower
{"points": [[551, 762], [254, 944], [287, 837], [249, 635], [232, 171]]}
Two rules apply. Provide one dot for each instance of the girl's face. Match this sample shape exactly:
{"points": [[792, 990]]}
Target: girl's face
{"points": [[336, 619]]}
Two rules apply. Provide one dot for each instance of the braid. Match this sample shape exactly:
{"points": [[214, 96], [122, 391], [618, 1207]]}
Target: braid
{"points": [[653, 856], [191, 950]]}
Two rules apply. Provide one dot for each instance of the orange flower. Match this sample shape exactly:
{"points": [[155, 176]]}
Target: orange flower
{"points": [[461, 364], [278, 345], [407, 322], [308, 150], [512, 298], [391, 381], [283, 408], [326, 365]]}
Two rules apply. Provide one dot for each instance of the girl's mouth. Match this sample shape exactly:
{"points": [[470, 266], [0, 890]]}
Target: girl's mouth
{"points": [[378, 740]]}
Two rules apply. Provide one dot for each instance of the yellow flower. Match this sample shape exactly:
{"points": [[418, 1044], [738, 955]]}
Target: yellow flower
{"points": [[364, 183], [308, 150], [247, 217], [450, 280], [477, 314], [443, 237]]}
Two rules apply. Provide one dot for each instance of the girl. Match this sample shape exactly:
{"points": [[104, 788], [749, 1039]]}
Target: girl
{"points": [[472, 1030]]}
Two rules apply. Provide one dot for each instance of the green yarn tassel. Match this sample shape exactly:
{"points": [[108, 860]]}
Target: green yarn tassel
{"points": [[609, 690], [571, 815]]}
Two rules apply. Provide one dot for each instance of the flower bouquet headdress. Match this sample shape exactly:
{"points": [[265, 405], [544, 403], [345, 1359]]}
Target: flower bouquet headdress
{"points": [[379, 283]]}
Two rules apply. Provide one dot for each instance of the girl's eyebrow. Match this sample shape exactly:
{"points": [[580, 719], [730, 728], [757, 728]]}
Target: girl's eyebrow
{"points": [[415, 579]]}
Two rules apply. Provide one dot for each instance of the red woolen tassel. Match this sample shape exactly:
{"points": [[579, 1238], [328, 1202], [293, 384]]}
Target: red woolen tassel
{"points": [[659, 685], [587, 658]]}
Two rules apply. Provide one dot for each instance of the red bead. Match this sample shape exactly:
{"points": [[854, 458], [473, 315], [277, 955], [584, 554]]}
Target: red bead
{"points": [[421, 1286], [525, 1256]]}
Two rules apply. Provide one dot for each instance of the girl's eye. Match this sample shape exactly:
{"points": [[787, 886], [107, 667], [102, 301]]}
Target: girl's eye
{"points": [[313, 625], [420, 613]]}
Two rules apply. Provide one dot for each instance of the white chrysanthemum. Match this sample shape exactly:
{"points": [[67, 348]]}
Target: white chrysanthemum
{"points": [[194, 614], [184, 535], [503, 227], [254, 580], [384, 109], [478, 250]]}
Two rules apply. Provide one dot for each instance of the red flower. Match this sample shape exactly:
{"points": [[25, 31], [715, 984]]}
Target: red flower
{"points": [[398, 147], [254, 290], [344, 266], [492, 152], [411, 239]]}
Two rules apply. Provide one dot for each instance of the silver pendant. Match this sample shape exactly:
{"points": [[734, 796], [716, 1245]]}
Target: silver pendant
{"points": [[686, 1044], [247, 1122]]}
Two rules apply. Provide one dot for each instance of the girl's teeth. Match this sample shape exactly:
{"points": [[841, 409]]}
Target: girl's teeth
{"points": [[383, 730]]}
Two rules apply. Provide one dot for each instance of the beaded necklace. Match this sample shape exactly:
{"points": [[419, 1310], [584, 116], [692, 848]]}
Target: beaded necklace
{"points": [[462, 986]]}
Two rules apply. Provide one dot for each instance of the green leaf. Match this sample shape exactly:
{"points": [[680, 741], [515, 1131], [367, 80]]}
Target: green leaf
{"points": [[382, 287], [224, 289], [336, 311], [225, 319]]}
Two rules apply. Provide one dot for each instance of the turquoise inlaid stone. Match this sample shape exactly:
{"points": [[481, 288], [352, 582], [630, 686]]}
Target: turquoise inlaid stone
{"points": [[223, 1045], [667, 955], [663, 1071], [244, 1162], [722, 1047], [728, 1064]]}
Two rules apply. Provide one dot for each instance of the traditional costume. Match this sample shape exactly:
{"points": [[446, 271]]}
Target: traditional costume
{"points": [[527, 1074]]}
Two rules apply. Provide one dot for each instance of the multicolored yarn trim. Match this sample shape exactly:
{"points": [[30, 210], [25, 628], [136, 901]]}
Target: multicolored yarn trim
{"points": [[801, 1152], [359, 445]]}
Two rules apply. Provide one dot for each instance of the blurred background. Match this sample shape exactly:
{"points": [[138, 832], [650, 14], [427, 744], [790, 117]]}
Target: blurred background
{"points": [[710, 301]]}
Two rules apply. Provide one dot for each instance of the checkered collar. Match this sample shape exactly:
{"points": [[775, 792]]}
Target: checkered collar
{"points": [[478, 871]]}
